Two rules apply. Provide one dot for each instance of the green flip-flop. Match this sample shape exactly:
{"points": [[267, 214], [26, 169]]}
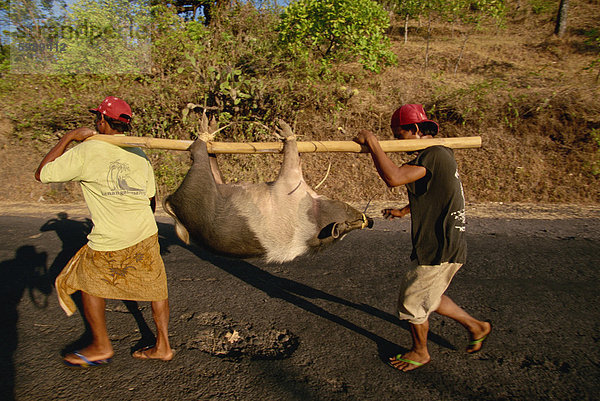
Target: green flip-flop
{"points": [[410, 361], [479, 341]]}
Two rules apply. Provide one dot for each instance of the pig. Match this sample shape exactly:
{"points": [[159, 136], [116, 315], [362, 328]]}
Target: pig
{"points": [[276, 221]]}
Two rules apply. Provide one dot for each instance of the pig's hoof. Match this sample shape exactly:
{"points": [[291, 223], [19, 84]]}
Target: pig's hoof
{"points": [[285, 131]]}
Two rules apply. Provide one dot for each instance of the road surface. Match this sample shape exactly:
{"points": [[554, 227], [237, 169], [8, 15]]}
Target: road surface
{"points": [[318, 328]]}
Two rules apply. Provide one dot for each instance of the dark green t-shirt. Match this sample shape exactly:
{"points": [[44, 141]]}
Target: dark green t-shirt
{"points": [[437, 208]]}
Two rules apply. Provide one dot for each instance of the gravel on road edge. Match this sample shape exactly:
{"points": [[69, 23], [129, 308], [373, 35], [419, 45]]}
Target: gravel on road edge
{"points": [[482, 210]]}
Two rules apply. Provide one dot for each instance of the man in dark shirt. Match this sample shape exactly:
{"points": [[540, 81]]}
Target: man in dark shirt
{"points": [[437, 208]]}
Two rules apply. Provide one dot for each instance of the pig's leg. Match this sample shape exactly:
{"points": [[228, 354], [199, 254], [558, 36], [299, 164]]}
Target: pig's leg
{"points": [[214, 168], [193, 204], [290, 174]]}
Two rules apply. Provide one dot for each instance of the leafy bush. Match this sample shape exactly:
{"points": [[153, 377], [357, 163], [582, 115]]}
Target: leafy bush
{"points": [[543, 6], [337, 30], [107, 37], [238, 69]]}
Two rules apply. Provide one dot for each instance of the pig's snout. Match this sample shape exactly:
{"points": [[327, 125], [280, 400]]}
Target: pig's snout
{"points": [[339, 229], [359, 224]]}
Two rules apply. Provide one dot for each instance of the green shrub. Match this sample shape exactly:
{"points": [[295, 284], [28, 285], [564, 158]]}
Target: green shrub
{"points": [[543, 6], [337, 30], [104, 38]]}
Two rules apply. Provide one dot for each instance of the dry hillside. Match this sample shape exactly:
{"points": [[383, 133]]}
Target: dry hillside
{"points": [[529, 95]]}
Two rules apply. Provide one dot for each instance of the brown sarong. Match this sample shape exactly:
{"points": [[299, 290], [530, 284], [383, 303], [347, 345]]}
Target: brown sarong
{"points": [[136, 273]]}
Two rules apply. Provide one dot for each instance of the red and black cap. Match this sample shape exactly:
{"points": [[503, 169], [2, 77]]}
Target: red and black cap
{"points": [[412, 114], [114, 108]]}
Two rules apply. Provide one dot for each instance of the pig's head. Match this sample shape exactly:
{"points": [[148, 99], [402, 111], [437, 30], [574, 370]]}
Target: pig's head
{"points": [[335, 219]]}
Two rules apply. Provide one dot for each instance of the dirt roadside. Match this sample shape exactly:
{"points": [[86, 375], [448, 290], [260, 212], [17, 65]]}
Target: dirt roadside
{"points": [[533, 211]]}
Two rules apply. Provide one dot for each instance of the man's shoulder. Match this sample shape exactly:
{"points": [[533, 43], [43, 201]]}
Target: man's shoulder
{"points": [[99, 145], [93, 145], [437, 152], [437, 158], [437, 149], [137, 151]]}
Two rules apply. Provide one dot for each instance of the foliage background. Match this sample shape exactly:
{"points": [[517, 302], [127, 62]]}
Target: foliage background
{"points": [[533, 98]]}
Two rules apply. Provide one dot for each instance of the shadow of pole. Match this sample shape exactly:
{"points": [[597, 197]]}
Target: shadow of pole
{"points": [[292, 292], [285, 289]]}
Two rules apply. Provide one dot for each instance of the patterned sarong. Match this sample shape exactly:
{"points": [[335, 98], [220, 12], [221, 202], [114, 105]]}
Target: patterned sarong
{"points": [[136, 273]]}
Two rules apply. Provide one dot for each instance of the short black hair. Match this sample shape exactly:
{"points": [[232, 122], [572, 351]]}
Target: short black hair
{"points": [[409, 127], [426, 127], [114, 124]]}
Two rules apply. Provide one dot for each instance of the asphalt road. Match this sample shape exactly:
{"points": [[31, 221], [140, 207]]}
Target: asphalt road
{"points": [[318, 328]]}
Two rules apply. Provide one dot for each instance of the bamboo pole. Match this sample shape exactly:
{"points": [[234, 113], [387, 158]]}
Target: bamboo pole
{"points": [[405, 145]]}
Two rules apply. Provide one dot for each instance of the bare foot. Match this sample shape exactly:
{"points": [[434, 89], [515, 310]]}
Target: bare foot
{"points": [[409, 361], [90, 353], [478, 337], [153, 353]]}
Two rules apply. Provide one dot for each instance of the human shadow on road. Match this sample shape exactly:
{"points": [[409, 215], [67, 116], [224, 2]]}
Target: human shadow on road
{"points": [[73, 235], [294, 292], [21, 274]]}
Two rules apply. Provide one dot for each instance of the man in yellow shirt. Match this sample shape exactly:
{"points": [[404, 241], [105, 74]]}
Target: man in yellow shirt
{"points": [[122, 257]]}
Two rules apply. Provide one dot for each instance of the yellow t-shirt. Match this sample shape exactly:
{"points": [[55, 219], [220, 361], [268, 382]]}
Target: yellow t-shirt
{"points": [[117, 184]]}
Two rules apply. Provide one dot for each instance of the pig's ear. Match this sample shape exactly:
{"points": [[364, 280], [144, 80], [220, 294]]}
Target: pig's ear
{"points": [[328, 231]]}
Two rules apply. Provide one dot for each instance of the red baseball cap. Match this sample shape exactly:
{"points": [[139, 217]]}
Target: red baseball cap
{"points": [[116, 108], [412, 114]]}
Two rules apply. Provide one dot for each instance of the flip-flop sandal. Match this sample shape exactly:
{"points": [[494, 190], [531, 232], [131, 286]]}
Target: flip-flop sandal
{"points": [[410, 361], [478, 341], [86, 362]]}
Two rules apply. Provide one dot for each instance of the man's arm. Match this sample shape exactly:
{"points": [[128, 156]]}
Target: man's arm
{"points": [[391, 174], [389, 214], [79, 134]]}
